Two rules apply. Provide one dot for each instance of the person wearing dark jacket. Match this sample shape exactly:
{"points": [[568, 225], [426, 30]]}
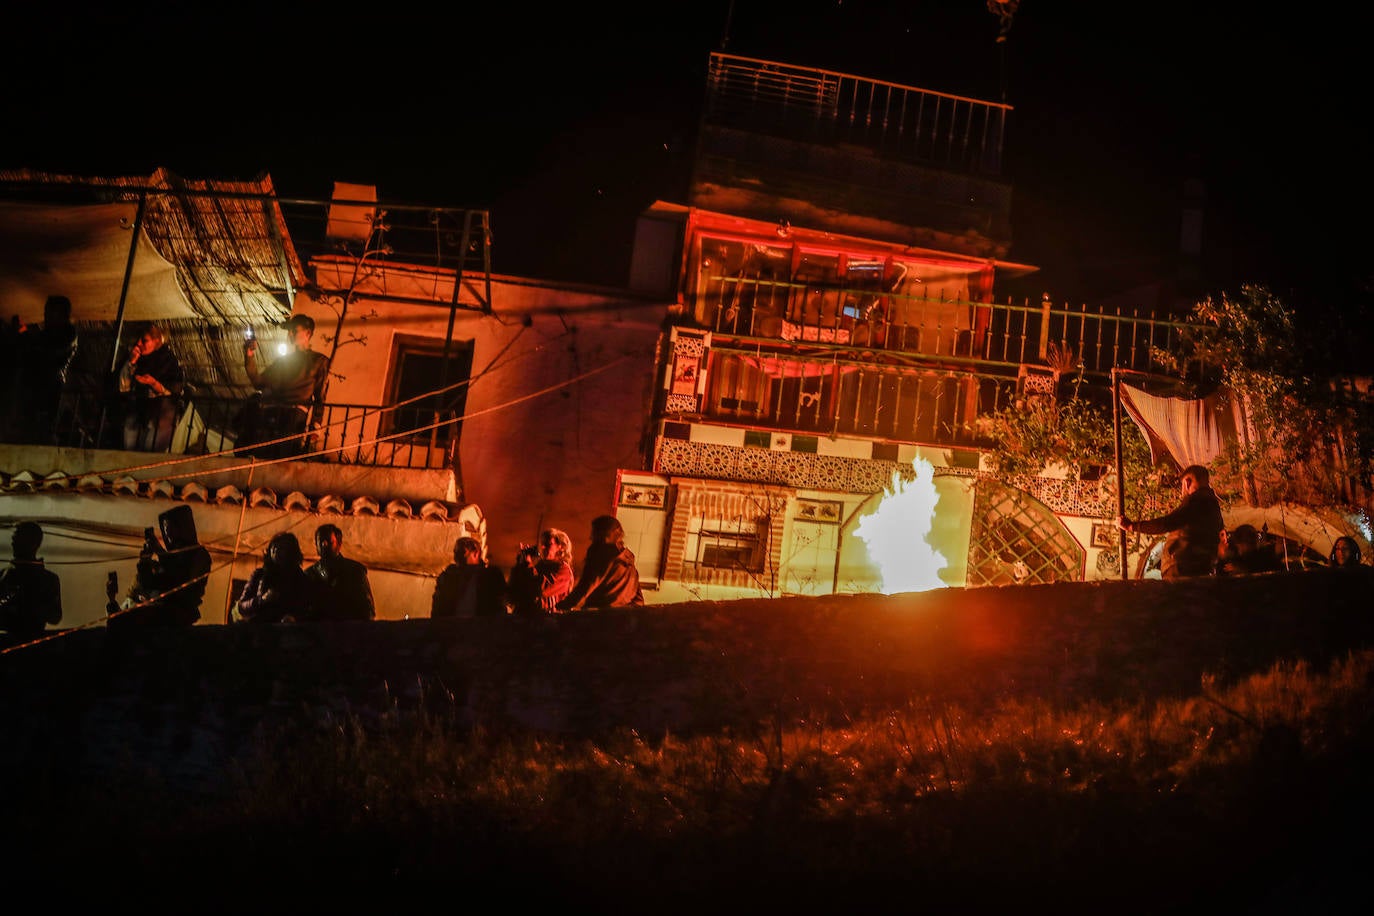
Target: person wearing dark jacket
{"points": [[150, 382], [278, 591], [172, 576], [30, 594], [1245, 553], [469, 587], [609, 577], [291, 394], [45, 353], [1193, 529], [342, 589]]}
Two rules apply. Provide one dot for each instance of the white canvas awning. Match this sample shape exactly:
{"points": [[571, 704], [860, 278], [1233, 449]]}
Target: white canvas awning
{"points": [[208, 250], [81, 252]]}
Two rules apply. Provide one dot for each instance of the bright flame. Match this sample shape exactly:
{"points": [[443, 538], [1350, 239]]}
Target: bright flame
{"points": [[898, 532]]}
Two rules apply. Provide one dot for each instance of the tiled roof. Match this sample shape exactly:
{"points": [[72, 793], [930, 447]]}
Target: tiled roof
{"points": [[193, 491]]}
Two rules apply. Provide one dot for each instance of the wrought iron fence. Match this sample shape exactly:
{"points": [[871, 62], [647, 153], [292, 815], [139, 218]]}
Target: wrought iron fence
{"points": [[412, 436], [1007, 335]]}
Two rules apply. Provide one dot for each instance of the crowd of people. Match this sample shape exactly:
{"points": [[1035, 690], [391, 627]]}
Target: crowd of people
{"points": [[174, 568]]}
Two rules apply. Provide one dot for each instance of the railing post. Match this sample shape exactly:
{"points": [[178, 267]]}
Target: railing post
{"points": [[1044, 345]]}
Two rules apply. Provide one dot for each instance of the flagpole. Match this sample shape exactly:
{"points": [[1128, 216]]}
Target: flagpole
{"points": [[1120, 470]]}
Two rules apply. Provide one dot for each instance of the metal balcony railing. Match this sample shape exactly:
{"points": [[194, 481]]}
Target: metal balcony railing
{"points": [[822, 106], [412, 436], [948, 332], [846, 396]]}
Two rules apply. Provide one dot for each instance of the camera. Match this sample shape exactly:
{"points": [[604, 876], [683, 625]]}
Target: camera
{"points": [[528, 552]]}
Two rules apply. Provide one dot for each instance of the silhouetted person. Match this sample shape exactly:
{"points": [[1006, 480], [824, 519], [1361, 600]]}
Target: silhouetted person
{"points": [[468, 587], [9, 378], [172, 575], [1245, 554], [44, 354], [292, 392], [542, 575], [609, 577], [342, 591], [1193, 529], [30, 594], [150, 383], [1344, 553], [278, 590]]}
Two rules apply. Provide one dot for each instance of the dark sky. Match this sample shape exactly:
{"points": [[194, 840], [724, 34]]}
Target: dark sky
{"points": [[566, 123]]}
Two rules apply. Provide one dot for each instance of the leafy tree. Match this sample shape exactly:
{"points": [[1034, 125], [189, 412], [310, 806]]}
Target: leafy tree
{"points": [[1307, 438]]}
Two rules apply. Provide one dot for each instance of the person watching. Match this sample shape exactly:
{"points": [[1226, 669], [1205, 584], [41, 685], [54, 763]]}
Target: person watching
{"points": [[343, 591], [1345, 553], [151, 381], [171, 578], [278, 591], [542, 575], [609, 577], [30, 594], [468, 587], [291, 393]]}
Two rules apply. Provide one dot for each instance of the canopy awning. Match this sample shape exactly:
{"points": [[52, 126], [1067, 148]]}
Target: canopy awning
{"points": [[211, 250]]}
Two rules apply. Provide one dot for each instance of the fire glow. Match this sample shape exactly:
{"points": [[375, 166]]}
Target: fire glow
{"points": [[898, 534]]}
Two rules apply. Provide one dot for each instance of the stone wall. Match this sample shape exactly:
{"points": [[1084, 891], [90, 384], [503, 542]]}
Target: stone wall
{"points": [[185, 704]]}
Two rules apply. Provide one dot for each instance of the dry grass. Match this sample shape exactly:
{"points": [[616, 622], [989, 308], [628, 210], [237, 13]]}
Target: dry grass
{"points": [[1237, 797]]}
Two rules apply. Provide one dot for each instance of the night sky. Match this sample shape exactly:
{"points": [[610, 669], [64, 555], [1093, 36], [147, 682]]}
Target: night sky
{"points": [[566, 123]]}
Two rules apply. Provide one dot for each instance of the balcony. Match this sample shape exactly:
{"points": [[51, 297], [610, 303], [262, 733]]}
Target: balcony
{"points": [[411, 436], [853, 155], [849, 361]]}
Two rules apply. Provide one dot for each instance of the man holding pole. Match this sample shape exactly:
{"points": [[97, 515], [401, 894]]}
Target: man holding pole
{"points": [[1193, 529]]}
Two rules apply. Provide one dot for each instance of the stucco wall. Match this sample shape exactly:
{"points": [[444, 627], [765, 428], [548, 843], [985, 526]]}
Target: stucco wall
{"points": [[561, 386]]}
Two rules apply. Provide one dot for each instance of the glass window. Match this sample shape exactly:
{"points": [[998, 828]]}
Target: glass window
{"points": [[735, 544], [423, 384]]}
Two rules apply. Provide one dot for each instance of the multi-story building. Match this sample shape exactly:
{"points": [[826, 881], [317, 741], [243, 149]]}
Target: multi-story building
{"points": [[836, 328]]}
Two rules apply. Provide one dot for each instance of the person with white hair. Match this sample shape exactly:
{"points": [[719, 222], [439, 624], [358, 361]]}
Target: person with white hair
{"points": [[542, 575]]}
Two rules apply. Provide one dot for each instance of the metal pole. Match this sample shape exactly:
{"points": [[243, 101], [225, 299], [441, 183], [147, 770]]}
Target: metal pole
{"points": [[238, 539], [123, 297], [128, 275], [1120, 470]]}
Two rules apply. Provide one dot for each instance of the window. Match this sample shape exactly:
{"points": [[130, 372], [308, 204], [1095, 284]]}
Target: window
{"points": [[417, 375], [863, 285], [736, 544]]}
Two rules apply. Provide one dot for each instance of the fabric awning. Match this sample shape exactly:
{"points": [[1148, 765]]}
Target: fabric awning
{"points": [[81, 252]]}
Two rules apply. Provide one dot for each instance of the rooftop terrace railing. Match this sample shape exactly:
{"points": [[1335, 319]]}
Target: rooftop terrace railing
{"points": [[823, 106]]}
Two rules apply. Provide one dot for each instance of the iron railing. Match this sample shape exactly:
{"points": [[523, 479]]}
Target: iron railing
{"points": [[411, 436], [990, 335], [822, 106]]}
